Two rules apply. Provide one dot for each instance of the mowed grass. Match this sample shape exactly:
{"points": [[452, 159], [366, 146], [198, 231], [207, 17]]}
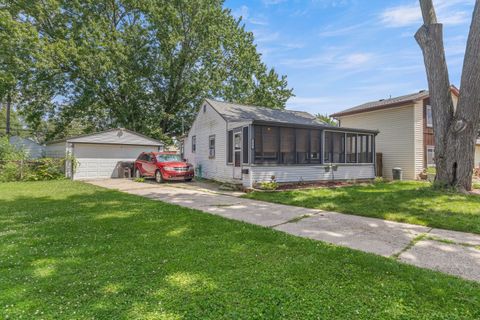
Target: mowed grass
{"points": [[406, 201], [73, 251]]}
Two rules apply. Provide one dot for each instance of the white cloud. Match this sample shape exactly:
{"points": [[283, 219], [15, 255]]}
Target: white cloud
{"points": [[330, 32], [449, 12], [244, 13], [333, 58], [272, 2]]}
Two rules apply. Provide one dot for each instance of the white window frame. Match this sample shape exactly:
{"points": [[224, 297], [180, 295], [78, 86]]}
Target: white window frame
{"points": [[429, 121], [430, 148], [211, 151]]}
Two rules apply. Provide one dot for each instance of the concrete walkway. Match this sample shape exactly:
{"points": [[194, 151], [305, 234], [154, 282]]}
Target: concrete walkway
{"points": [[455, 253]]}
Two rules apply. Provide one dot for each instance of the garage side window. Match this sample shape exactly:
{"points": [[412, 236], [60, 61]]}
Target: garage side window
{"points": [[194, 144], [211, 147]]}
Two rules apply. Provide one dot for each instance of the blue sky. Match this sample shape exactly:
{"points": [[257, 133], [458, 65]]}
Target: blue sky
{"points": [[340, 53]]}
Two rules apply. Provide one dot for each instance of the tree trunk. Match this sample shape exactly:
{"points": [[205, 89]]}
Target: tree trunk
{"points": [[455, 129], [9, 108]]}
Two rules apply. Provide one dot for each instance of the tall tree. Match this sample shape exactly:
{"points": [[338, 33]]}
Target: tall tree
{"points": [[456, 129], [144, 65]]}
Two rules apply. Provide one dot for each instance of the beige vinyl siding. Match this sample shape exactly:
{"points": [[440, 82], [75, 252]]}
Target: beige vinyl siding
{"points": [[419, 158], [397, 138], [477, 156]]}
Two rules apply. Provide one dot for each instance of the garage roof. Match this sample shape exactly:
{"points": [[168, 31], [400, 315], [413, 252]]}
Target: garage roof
{"points": [[119, 136]]}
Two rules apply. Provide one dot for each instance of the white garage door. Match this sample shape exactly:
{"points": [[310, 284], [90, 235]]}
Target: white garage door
{"points": [[97, 161]]}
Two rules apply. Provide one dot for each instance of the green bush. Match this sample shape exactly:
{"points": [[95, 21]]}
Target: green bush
{"points": [[45, 169], [10, 152]]}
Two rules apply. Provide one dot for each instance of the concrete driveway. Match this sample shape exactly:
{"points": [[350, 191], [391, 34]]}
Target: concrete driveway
{"points": [[451, 252]]}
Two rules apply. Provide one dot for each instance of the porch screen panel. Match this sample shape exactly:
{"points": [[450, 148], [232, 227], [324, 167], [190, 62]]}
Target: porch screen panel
{"points": [[287, 146], [315, 136], [266, 144], [245, 149], [334, 147], [302, 144], [351, 148], [365, 148]]}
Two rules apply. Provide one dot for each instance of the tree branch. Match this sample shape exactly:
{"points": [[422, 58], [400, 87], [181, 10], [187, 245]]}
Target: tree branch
{"points": [[428, 12]]}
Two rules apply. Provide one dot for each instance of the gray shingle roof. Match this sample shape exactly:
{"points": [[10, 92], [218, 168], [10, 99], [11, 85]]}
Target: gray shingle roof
{"points": [[233, 112], [369, 106]]}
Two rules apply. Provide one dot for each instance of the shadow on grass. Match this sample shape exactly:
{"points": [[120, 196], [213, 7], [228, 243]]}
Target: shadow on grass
{"points": [[84, 252], [410, 202]]}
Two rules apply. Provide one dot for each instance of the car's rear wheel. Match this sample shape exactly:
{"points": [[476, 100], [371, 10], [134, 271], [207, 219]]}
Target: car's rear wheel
{"points": [[188, 180], [158, 176]]}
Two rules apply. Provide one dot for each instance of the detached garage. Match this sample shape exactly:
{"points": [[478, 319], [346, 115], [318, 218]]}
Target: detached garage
{"points": [[98, 155]]}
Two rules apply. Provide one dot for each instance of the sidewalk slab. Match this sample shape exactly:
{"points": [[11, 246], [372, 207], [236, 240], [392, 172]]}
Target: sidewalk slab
{"points": [[377, 236], [457, 237], [449, 258]]}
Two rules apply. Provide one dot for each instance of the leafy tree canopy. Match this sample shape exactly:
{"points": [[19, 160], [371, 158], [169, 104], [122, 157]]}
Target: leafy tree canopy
{"points": [[143, 65]]}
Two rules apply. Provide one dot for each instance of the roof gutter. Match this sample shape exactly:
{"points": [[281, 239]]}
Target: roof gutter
{"points": [[318, 127]]}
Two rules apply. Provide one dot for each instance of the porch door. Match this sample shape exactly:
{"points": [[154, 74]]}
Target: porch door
{"points": [[237, 155]]}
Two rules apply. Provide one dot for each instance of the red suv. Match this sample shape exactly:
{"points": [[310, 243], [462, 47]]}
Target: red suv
{"points": [[163, 166]]}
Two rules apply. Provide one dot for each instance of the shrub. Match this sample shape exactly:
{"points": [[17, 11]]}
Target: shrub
{"points": [[45, 169], [10, 152], [378, 180], [269, 185]]}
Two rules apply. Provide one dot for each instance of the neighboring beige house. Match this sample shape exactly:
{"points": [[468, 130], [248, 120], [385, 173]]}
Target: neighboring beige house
{"points": [[406, 131]]}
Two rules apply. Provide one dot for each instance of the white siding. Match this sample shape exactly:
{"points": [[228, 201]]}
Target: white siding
{"points": [[119, 136], [206, 124], [33, 149], [397, 137], [100, 160], [285, 174], [56, 150], [477, 156]]}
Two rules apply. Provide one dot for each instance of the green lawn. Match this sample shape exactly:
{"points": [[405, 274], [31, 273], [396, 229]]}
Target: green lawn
{"points": [[73, 251], [412, 202]]}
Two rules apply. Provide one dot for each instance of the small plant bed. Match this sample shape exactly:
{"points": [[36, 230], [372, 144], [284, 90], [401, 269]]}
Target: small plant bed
{"points": [[70, 250], [406, 201]]}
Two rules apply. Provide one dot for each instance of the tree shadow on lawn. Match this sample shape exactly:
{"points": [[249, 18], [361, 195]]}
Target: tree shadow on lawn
{"points": [[112, 255], [418, 205]]}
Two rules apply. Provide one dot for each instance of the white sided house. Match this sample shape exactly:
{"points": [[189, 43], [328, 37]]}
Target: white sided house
{"points": [[99, 155], [248, 145]]}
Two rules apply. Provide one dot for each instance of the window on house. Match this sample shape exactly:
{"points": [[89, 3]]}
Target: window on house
{"points": [[211, 147], [365, 148], [351, 148], [194, 144], [430, 156], [334, 147], [302, 143], [429, 116], [230, 147], [315, 136], [204, 108], [266, 144], [287, 145], [245, 150]]}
